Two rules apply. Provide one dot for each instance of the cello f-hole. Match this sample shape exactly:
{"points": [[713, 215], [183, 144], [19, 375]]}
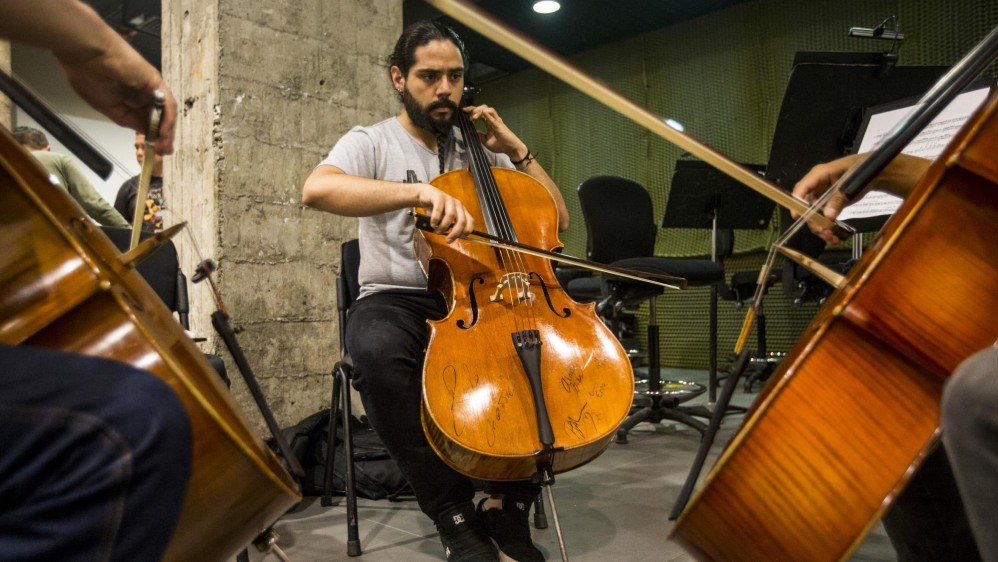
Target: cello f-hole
{"points": [[473, 304], [565, 312]]}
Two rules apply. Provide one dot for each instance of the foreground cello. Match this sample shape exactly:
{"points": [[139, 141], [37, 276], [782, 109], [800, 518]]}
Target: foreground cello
{"points": [[64, 286], [855, 405], [518, 375]]}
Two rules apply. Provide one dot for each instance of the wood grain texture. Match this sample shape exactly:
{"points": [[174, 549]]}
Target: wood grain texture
{"points": [[478, 407], [854, 407]]}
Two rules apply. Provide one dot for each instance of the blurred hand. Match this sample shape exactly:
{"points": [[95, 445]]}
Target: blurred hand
{"points": [[121, 84], [99, 64], [815, 183]]}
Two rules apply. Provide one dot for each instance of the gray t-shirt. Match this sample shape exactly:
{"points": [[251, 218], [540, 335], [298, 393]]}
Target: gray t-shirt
{"points": [[386, 151]]}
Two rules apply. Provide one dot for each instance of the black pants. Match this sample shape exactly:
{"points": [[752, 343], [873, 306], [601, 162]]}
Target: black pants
{"points": [[94, 458], [387, 338], [927, 522]]}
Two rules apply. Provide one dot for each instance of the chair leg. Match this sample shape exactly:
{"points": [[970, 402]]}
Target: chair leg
{"points": [[341, 388], [327, 482], [540, 517], [353, 537], [712, 372], [656, 412]]}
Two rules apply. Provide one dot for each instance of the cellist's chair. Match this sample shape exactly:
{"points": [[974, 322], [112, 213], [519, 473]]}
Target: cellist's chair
{"points": [[347, 290], [161, 270], [621, 231]]}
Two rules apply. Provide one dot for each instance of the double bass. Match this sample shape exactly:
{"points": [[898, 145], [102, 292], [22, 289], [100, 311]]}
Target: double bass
{"points": [[517, 376], [64, 286]]}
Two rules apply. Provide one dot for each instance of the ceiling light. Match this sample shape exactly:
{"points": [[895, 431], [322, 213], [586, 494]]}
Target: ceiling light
{"points": [[546, 6]]}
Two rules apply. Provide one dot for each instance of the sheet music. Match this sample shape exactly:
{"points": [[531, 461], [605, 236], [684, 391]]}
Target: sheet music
{"points": [[928, 144]]}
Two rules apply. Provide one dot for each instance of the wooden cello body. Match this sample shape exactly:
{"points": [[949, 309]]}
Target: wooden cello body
{"points": [[63, 286], [478, 405], [854, 407]]}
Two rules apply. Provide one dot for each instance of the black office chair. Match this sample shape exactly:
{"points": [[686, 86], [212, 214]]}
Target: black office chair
{"points": [[347, 290], [621, 231]]}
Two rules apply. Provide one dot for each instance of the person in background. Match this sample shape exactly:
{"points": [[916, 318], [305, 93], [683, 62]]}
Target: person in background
{"points": [[66, 175], [152, 218]]}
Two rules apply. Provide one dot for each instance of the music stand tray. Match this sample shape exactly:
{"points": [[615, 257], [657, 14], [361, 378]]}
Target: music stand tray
{"points": [[701, 192]]}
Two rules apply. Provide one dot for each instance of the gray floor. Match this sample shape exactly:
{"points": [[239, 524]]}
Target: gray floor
{"points": [[615, 508]]}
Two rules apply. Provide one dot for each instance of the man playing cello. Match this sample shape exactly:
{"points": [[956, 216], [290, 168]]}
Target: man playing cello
{"points": [[364, 176]]}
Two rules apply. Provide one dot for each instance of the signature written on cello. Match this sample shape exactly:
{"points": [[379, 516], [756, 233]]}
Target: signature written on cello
{"points": [[597, 390], [579, 426], [572, 381], [498, 409], [456, 386], [469, 396]]}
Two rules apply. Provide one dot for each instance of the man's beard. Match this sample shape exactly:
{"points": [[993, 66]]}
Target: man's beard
{"points": [[422, 117]]}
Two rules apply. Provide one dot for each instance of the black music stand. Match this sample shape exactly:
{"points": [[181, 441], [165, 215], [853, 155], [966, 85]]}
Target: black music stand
{"points": [[822, 110], [701, 196]]}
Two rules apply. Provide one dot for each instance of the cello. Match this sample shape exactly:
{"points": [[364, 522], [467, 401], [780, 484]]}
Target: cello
{"points": [[819, 459], [518, 378], [65, 286]]}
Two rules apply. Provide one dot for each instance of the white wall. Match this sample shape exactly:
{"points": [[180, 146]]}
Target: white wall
{"points": [[42, 73]]}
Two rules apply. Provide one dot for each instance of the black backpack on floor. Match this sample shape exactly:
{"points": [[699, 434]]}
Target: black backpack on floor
{"points": [[376, 476]]}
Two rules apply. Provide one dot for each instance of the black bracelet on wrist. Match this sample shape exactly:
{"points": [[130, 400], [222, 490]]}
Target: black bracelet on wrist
{"points": [[525, 160]]}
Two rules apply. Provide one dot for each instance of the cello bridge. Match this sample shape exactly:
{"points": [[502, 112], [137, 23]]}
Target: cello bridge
{"points": [[518, 286]]}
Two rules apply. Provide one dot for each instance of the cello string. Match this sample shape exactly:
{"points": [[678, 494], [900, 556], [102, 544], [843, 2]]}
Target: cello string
{"points": [[488, 202], [491, 199]]}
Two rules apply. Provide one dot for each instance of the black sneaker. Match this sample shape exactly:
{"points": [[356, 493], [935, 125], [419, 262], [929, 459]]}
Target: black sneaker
{"points": [[464, 537], [510, 528]]}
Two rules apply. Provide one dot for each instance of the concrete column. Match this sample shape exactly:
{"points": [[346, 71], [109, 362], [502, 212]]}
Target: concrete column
{"points": [[265, 89]]}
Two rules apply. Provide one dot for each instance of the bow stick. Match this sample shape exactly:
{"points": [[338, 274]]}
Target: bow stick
{"points": [[667, 281], [148, 159]]}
